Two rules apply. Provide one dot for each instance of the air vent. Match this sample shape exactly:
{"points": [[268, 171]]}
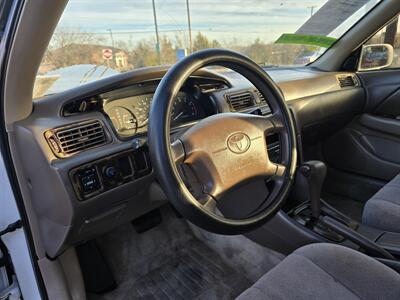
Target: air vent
{"points": [[75, 138], [347, 81], [81, 106], [240, 101], [260, 97], [212, 87]]}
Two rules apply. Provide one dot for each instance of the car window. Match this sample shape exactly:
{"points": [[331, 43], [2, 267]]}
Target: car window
{"points": [[99, 38]]}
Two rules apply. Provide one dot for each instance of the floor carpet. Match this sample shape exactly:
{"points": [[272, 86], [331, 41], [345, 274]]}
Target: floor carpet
{"points": [[167, 262]]}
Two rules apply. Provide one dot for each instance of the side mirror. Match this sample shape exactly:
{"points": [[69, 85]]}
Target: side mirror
{"points": [[375, 57]]}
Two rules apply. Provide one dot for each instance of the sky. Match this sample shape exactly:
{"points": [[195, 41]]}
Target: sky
{"points": [[132, 20]]}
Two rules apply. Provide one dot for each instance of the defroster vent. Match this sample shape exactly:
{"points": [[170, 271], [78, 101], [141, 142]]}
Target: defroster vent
{"points": [[71, 139]]}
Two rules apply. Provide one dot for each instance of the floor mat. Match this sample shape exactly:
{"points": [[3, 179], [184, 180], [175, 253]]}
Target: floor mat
{"points": [[197, 273], [167, 262], [247, 257], [349, 207]]}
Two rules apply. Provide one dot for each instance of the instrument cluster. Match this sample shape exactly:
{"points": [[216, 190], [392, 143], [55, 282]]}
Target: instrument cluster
{"points": [[130, 115]]}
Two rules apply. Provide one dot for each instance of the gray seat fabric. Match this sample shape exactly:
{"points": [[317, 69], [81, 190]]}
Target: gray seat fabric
{"points": [[326, 271], [382, 211]]}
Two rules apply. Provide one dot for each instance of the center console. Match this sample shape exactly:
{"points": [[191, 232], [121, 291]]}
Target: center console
{"points": [[331, 225]]}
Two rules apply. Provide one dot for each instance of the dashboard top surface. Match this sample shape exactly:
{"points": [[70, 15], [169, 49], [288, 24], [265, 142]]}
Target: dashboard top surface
{"points": [[125, 98], [122, 102]]}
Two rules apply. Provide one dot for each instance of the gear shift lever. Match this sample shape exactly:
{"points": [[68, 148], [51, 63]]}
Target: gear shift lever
{"points": [[309, 179]]}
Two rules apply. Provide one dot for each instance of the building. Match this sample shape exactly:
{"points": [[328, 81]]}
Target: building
{"points": [[121, 60]]}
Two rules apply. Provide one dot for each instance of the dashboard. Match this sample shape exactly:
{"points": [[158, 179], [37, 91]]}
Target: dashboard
{"points": [[93, 170]]}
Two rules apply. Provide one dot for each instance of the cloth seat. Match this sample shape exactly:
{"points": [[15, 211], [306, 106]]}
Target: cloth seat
{"points": [[382, 211], [326, 271]]}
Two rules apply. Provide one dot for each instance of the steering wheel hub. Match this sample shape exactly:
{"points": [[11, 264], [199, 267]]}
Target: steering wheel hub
{"points": [[227, 149]]}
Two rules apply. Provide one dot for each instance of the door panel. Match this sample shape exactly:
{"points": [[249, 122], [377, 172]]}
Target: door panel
{"points": [[384, 125], [381, 86], [352, 150], [390, 106], [370, 145]]}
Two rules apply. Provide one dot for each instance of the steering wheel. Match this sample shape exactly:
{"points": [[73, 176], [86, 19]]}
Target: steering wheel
{"points": [[224, 150]]}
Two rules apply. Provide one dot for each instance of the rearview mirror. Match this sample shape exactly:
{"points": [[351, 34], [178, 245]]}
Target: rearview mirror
{"points": [[375, 57]]}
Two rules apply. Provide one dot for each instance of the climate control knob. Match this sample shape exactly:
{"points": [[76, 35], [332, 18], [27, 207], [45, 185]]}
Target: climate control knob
{"points": [[110, 172]]}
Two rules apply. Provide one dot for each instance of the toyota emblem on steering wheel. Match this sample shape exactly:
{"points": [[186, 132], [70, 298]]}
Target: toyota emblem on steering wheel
{"points": [[238, 142]]}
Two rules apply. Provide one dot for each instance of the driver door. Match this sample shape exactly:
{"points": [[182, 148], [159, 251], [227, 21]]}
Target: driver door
{"points": [[17, 277]]}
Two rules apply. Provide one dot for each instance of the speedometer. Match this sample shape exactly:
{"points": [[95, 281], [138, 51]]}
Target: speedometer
{"points": [[130, 115], [184, 110], [142, 109], [123, 119]]}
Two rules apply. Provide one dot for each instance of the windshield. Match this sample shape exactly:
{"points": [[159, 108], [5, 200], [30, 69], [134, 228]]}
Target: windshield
{"points": [[99, 38]]}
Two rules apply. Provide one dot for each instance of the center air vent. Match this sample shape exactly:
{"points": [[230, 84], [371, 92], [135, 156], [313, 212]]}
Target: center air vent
{"points": [[347, 81], [68, 140], [240, 101]]}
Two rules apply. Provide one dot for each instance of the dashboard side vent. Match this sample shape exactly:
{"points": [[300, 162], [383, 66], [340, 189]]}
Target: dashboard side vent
{"points": [[71, 139], [347, 81], [240, 101]]}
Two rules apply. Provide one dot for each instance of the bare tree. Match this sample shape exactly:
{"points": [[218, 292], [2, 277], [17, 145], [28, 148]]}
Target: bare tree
{"points": [[72, 46]]}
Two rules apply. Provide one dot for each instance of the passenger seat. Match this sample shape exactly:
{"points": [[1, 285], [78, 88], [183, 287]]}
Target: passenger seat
{"points": [[382, 211]]}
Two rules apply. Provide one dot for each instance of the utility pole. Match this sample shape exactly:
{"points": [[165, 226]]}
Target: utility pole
{"points": [[112, 38], [189, 27], [157, 36], [113, 49], [312, 9]]}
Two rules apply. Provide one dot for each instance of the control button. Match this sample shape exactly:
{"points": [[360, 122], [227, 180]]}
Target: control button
{"points": [[89, 183], [110, 172], [88, 180]]}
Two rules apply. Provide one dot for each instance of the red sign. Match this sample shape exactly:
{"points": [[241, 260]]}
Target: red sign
{"points": [[107, 54]]}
